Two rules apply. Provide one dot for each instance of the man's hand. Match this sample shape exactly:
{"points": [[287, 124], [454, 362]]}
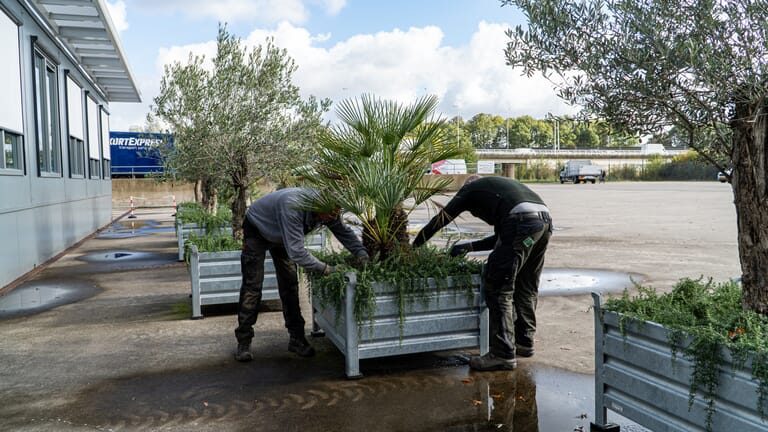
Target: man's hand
{"points": [[329, 269], [460, 249]]}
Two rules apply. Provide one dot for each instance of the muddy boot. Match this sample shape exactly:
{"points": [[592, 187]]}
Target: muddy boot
{"points": [[490, 362], [243, 353], [300, 346]]}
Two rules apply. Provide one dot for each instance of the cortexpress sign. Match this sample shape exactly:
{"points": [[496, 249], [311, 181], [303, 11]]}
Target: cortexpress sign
{"points": [[138, 152]]}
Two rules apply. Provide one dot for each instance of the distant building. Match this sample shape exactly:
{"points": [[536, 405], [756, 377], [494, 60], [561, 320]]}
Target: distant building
{"points": [[62, 65]]}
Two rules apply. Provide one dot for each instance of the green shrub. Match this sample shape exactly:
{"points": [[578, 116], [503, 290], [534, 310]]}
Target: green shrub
{"points": [[407, 271], [192, 212], [211, 242]]}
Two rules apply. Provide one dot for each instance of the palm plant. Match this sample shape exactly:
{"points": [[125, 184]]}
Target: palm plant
{"points": [[374, 160]]}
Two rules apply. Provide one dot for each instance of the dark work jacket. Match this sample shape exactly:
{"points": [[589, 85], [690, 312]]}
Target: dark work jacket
{"points": [[489, 199]]}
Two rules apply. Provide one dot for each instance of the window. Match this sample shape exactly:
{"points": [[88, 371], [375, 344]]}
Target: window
{"points": [[94, 146], [11, 151], [105, 149], [93, 168], [46, 116], [11, 125], [76, 157]]}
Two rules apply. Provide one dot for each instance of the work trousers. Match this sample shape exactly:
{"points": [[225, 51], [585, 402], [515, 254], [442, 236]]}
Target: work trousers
{"points": [[512, 281], [255, 248]]}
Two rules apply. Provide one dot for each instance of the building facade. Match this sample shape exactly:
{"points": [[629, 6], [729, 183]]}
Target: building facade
{"points": [[61, 65]]}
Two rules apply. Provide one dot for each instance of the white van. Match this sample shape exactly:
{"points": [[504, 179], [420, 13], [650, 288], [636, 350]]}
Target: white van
{"points": [[450, 166]]}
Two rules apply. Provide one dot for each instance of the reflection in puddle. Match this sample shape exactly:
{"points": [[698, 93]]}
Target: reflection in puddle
{"points": [[299, 395], [132, 228], [112, 256]]}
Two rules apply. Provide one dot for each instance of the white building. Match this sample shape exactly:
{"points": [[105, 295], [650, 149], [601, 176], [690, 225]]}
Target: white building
{"points": [[60, 65]]}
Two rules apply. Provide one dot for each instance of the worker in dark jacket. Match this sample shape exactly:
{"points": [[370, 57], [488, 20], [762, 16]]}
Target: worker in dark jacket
{"points": [[522, 227], [278, 223]]}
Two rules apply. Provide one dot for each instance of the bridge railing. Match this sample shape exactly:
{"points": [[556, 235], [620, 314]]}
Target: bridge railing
{"points": [[574, 153]]}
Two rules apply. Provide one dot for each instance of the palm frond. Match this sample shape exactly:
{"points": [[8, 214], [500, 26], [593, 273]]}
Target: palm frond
{"points": [[374, 159]]}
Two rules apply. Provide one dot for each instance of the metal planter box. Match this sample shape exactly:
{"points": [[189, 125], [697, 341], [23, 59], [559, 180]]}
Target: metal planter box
{"points": [[183, 230], [216, 276], [449, 319], [216, 279], [637, 377]]}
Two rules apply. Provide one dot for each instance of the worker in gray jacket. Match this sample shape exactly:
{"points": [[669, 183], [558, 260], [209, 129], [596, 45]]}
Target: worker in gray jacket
{"points": [[277, 223]]}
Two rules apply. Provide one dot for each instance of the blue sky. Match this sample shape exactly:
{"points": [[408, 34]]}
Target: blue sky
{"points": [[395, 49]]}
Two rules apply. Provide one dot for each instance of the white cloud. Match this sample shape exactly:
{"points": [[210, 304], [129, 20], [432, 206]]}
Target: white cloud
{"points": [[403, 65], [332, 7], [117, 13], [167, 56], [268, 12]]}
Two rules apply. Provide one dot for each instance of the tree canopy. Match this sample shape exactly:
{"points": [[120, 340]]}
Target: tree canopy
{"points": [[647, 65], [238, 121]]}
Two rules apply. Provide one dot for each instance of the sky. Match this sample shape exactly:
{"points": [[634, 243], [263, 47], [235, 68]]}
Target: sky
{"points": [[392, 49]]}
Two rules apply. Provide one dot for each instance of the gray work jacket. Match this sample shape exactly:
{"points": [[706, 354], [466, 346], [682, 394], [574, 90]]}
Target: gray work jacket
{"points": [[280, 219]]}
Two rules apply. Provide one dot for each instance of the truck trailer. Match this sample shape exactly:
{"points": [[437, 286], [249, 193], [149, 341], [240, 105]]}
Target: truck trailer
{"points": [[579, 170]]}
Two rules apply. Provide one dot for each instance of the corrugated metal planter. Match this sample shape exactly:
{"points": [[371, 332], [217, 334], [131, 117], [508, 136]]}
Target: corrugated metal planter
{"points": [[637, 376], [445, 319], [216, 276], [183, 230], [216, 279]]}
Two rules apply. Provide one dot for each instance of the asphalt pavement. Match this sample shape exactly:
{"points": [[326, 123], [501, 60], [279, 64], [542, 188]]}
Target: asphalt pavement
{"points": [[102, 339]]}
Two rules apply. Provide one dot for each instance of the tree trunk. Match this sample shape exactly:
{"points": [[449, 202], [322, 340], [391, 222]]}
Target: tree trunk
{"points": [[239, 206], [386, 245], [208, 194], [750, 191]]}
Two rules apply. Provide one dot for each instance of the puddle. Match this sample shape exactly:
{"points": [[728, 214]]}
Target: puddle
{"points": [[572, 282], [37, 296], [132, 228], [395, 395], [113, 256], [118, 260]]}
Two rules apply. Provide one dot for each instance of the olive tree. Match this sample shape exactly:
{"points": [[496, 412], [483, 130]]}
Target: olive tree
{"points": [[647, 65], [261, 126], [182, 104], [240, 120]]}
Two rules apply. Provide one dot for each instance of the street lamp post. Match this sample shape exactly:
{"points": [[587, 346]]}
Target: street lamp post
{"points": [[458, 142], [506, 136], [556, 130]]}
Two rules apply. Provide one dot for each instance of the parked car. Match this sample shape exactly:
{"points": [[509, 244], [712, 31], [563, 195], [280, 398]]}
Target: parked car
{"points": [[723, 177]]}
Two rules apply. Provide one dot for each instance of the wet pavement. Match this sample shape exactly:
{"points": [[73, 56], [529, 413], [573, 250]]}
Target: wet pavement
{"points": [[102, 340]]}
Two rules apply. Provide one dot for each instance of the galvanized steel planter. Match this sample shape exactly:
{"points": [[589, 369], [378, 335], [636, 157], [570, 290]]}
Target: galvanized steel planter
{"points": [[637, 377], [216, 276], [183, 230], [216, 279], [449, 320]]}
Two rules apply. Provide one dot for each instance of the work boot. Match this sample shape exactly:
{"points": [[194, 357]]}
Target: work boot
{"points": [[243, 353], [523, 351], [300, 346], [491, 362]]}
